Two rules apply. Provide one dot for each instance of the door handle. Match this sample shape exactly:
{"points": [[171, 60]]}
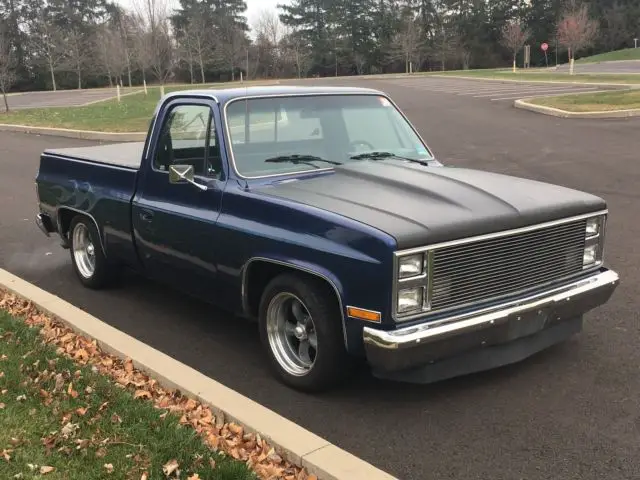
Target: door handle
{"points": [[146, 216]]}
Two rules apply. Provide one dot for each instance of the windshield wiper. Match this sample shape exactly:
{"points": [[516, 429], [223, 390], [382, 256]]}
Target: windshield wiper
{"points": [[297, 159], [381, 155]]}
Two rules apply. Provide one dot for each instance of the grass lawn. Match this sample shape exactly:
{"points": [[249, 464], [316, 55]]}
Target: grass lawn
{"points": [[132, 114], [624, 54], [602, 101], [64, 421], [545, 75]]}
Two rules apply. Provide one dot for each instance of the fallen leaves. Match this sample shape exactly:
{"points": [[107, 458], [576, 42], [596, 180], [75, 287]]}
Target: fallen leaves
{"points": [[228, 438], [2, 405], [5, 454], [170, 467], [46, 469], [142, 394], [108, 467]]}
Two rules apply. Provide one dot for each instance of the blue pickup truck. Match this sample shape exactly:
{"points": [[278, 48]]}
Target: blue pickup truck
{"points": [[323, 215]]}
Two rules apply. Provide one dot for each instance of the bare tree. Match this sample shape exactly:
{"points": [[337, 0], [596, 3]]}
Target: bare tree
{"points": [[576, 30], [47, 41], [7, 65], [513, 38], [112, 53], [198, 42], [154, 43], [407, 43], [298, 53], [77, 53], [270, 32], [232, 47]]}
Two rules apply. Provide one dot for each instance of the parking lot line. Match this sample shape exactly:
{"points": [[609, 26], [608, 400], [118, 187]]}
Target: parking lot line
{"points": [[536, 91], [494, 90], [545, 94]]}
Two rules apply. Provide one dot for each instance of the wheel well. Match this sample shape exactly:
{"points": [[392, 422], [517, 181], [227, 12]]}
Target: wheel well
{"points": [[260, 273], [65, 216]]}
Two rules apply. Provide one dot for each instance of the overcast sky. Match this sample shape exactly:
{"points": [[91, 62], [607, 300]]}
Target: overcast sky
{"points": [[253, 6]]}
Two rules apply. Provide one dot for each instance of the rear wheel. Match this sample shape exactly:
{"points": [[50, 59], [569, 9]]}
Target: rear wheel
{"points": [[301, 330], [89, 262]]}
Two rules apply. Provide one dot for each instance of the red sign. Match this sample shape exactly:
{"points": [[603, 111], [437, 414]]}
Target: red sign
{"points": [[544, 47]]}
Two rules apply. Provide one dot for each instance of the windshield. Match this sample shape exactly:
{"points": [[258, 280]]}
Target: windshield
{"points": [[281, 135]]}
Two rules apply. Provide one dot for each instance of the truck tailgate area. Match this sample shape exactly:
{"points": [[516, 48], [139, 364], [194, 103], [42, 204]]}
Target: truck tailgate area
{"points": [[98, 181]]}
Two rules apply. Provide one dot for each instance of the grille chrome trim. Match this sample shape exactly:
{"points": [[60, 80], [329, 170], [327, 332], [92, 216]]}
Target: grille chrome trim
{"points": [[568, 234]]}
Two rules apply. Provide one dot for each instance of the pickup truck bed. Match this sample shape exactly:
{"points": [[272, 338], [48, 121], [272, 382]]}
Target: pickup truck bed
{"points": [[128, 155]]}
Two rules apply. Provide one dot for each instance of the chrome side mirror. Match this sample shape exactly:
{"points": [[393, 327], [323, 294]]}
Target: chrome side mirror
{"points": [[180, 173]]}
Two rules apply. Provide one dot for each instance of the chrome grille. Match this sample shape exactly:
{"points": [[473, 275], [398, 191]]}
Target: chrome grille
{"points": [[497, 267]]}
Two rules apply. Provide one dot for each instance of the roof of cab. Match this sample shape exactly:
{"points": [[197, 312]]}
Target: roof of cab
{"points": [[224, 95]]}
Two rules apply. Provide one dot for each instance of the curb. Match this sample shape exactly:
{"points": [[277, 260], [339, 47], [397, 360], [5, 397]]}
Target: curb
{"points": [[294, 443], [78, 134], [556, 112]]}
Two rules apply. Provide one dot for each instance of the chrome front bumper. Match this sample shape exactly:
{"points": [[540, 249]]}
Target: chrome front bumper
{"points": [[426, 343]]}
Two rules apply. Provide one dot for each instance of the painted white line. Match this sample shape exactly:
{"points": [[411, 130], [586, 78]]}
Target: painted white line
{"points": [[539, 91], [506, 91], [557, 94]]}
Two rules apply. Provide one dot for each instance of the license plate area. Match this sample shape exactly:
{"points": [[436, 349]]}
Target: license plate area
{"points": [[527, 323]]}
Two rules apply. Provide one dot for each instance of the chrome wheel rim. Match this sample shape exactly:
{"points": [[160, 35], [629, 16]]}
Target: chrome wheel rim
{"points": [[292, 334], [84, 251]]}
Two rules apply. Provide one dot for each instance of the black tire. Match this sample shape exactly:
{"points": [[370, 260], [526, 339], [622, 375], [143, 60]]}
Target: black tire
{"points": [[105, 273], [333, 365]]}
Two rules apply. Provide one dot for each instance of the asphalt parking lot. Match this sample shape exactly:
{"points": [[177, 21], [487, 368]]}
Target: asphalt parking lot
{"points": [[569, 413], [61, 98], [491, 90]]}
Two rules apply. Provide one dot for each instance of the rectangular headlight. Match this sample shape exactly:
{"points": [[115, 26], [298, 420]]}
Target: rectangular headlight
{"points": [[593, 226], [410, 266], [590, 255], [594, 238], [410, 299]]}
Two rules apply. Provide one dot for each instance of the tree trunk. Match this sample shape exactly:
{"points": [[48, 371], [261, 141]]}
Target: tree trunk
{"points": [[514, 64], [201, 68], [53, 75], [6, 101], [79, 73]]}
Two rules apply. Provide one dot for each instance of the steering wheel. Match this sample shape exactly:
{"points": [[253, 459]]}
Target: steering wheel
{"points": [[354, 143]]}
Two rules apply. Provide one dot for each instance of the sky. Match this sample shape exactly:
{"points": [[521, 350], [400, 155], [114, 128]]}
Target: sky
{"points": [[253, 6]]}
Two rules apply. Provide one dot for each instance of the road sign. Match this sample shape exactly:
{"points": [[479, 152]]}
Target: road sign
{"points": [[544, 47]]}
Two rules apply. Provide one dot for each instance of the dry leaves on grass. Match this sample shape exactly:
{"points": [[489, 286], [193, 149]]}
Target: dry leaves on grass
{"points": [[229, 438]]}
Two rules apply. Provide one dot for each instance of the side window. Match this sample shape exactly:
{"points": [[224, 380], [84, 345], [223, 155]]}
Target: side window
{"points": [[187, 132]]}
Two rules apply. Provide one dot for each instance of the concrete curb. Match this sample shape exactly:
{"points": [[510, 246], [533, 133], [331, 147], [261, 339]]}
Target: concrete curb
{"points": [[556, 112], [299, 446], [78, 134]]}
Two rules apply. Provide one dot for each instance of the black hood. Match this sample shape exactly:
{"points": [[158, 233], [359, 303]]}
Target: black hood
{"points": [[419, 205]]}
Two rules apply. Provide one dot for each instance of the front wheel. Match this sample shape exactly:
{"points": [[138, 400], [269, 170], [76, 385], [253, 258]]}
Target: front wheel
{"points": [[301, 330], [89, 261]]}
